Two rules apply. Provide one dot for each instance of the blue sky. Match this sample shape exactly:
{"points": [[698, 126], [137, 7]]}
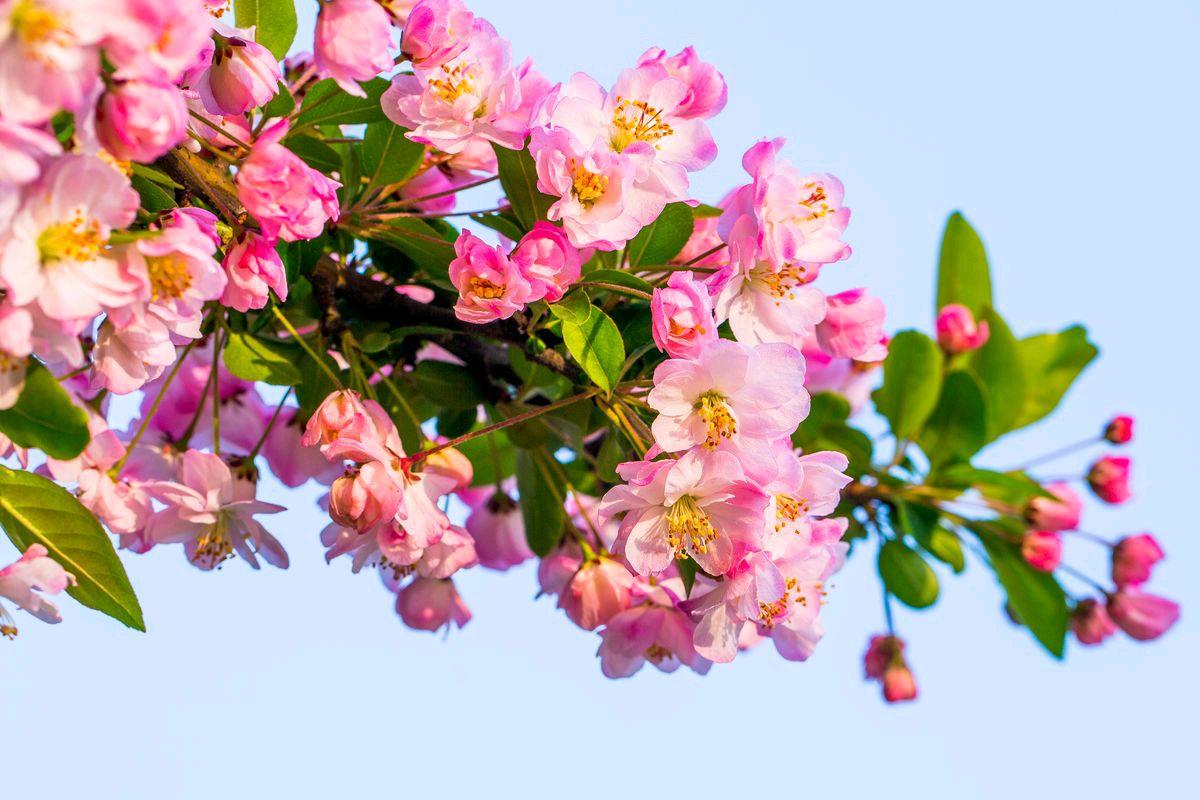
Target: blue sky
{"points": [[1066, 132]]}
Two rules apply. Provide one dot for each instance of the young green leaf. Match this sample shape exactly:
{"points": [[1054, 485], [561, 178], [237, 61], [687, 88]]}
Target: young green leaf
{"points": [[1001, 372], [1035, 596], [596, 344], [518, 177], [619, 278], [574, 308], [958, 427], [254, 359], [274, 22], [661, 240], [388, 155], [44, 417], [541, 500], [963, 275], [1052, 363], [34, 510], [907, 575], [912, 382], [328, 104]]}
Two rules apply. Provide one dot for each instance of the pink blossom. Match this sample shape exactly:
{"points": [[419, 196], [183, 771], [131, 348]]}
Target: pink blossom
{"points": [[700, 505], [341, 415], [139, 121], [152, 40], [729, 393], [1119, 430], [16, 343], [24, 150], [784, 217], [290, 461], [653, 631], [706, 90], [54, 252], [1133, 558], [1142, 616], [596, 592], [254, 270], [681, 316], [127, 357], [548, 261], [205, 221], [122, 505], [436, 31], [800, 486], [765, 304], [499, 532], [1090, 622], [899, 686], [853, 324], [22, 582], [47, 61], [428, 604], [451, 464], [957, 330], [243, 75], [353, 42], [290, 200], [1042, 549], [1109, 479], [850, 378], [364, 498], [203, 512], [490, 286], [1060, 512]]}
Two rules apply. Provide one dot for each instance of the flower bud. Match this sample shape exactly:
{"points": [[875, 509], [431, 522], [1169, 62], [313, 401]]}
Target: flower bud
{"points": [[499, 533], [681, 316], [600, 590], [340, 413], [436, 31], [254, 270], [1090, 622], [899, 686], [139, 121], [957, 331], [352, 42], [1042, 549], [243, 75], [1058, 513], [1109, 479], [428, 604], [1142, 616], [881, 651], [548, 261], [853, 324], [1119, 430], [363, 499], [1133, 558]]}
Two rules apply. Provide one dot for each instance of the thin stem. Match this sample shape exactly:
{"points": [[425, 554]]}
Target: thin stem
{"points": [[1067, 568], [221, 131], [1059, 453], [706, 254], [614, 287], [391, 387], [137, 436], [73, 373], [387, 216], [412, 201], [216, 390], [291, 329], [270, 424], [216, 151], [1091, 537], [887, 611]]}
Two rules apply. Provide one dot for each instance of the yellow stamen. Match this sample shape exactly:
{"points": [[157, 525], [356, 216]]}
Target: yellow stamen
{"points": [[213, 547], [788, 510], [688, 527], [34, 24], [456, 82], [637, 121], [169, 276], [782, 284], [588, 187], [717, 415], [656, 653], [485, 289], [77, 239]]}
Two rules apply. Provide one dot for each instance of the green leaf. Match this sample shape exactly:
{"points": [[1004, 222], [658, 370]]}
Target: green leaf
{"points": [[856, 445], [687, 573], [421, 242], [1001, 372], [912, 382], [704, 211], [1035, 596], [493, 457], [274, 22], [1014, 488], [907, 575], [503, 224], [152, 196], [620, 278], [921, 523], [253, 359], [388, 155], [315, 153], [661, 240], [282, 104], [958, 427], [315, 384], [541, 500], [596, 344], [574, 308], [326, 103], [34, 510], [44, 417], [1052, 363], [447, 385], [963, 275], [456, 423], [518, 176]]}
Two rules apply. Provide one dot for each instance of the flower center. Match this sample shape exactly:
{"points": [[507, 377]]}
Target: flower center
{"points": [[781, 284], [485, 289], [717, 416], [588, 187], [817, 203], [788, 510], [169, 277], [769, 613], [656, 653], [688, 527], [34, 24], [8, 628], [637, 121], [8, 364], [77, 239], [213, 547], [679, 330], [456, 82]]}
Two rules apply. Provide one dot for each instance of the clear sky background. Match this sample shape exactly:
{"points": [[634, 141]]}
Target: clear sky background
{"points": [[1067, 133]]}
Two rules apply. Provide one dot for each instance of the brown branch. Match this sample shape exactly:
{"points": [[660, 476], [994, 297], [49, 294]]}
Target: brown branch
{"points": [[206, 179]]}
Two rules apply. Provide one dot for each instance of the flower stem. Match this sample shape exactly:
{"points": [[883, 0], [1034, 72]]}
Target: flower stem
{"points": [[1059, 453], [270, 424], [291, 329], [137, 436]]}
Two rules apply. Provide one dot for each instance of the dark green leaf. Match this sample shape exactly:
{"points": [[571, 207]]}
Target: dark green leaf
{"points": [[493, 457], [34, 510], [958, 426], [152, 196], [541, 499], [315, 153], [1014, 488], [328, 104], [1052, 363], [597, 346], [421, 242], [274, 22], [687, 573], [963, 275], [502, 224], [315, 384], [456, 423], [44, 417], [447, 385], [282, 104], [254, 359], [661, 240], [1035, 596], [912, 383], [620, 278], [921, 523], [999, 368], [518, 176], [388, 155], [907, 575]]}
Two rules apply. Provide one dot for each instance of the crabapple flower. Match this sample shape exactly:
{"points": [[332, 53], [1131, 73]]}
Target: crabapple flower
{"points": [[290, 461], [16, 344], [490, 286], [436, 31], [152, 40], [23, 583], [341, 415], [853, 324], [291, 200], [1042, 550], [1090, 622], [127, 358], [1133, 558], [548, 261], [204, 512], [24, 150], [706, 90], [957, 330], [47, 59], [1119, 430], [729, 393], [700, 505], [1109, 479], [139, 121], [681, 316], [884, 662], [353, 43], [254, 269], [596, 592], [364, 498], [765, 304], [428, 604], [1142, 616], [498, 529], [1061, 512], [243, 75], [652, 631], [122, 505]]}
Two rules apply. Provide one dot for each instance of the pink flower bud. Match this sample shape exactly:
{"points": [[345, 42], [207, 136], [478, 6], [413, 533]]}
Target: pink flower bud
{"points": [[139, 121], [243, 75], [340, 414], [490, 286], [205, 221], [365, 498], [957, 331], [1042, 549], [557, 569], [436, 31], [1119, 430], [1109, 479], [428, 604], [601, 589], [881, 652], [498, 529], [1090, 622], [548, 261], [290, 200], [353, 42], [706, 94], [853, 324], [899, 686], [681, 316], [1059, 513], [254, 270], [1142, 616], [1133, 558]]}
